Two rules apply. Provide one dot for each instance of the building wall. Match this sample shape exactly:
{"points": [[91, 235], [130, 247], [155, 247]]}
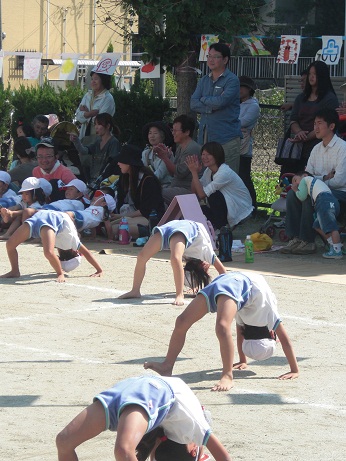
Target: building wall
{"points": [[53, 27]]}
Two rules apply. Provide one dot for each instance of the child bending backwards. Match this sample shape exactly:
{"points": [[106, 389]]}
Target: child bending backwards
{"points": [[140, 409], [248, 299], [55, 229], [326, 207], [34, 193], [186, 239]]}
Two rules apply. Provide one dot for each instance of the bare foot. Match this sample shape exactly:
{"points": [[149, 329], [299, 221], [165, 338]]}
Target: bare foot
{"points": [[225, 384], [6, 215], [179, 301], [10, 275], [130, 294], [160, 367]]}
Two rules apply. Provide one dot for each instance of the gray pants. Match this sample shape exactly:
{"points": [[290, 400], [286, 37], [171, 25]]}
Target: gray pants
{"points": [[232, 153]]}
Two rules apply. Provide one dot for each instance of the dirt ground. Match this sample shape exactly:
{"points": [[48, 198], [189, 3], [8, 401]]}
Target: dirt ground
{"points": [[63, 343]]}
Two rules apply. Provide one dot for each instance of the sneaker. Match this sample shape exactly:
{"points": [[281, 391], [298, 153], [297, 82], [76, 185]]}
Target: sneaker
{"points": [[332, 254], [293, 243], [304, 248]]}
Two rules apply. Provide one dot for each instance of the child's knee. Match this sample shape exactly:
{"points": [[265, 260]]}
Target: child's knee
{"points": [[62, 442]]}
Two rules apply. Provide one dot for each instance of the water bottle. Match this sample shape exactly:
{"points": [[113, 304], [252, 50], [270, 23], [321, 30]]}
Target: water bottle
{"points": [[124, 234], [249, 256], [153, 220], [225, 242]]}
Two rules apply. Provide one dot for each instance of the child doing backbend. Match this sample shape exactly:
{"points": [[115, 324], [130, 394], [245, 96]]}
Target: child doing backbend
{"points": [[139, 409], [186, 239], [55, 228], [247, 298]]}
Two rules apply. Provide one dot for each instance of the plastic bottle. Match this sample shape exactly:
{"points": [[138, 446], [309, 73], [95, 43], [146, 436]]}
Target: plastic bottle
{"points": [[124, 234], [249, 256], [153, 220]]}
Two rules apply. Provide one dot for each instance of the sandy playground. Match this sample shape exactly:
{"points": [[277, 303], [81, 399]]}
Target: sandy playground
{"points": [[63, 343]]}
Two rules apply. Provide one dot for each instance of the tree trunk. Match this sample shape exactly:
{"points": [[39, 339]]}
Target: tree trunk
{"points": [[186, 84]]}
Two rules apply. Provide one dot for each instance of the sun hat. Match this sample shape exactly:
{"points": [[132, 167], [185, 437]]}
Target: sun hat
{"points": [[111, 203], [78, 184], [259, 349], [46, 187], [162, 126], [5, 177], [71, 264], [30, 184], [247, 81], [130, 155]]}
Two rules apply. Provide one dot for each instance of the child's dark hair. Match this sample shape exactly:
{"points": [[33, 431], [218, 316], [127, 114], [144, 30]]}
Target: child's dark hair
{"points": [[146, 445], [199, 277], [172, 451], [37, 195], [252, 332], [302, 173], [66, 255]]}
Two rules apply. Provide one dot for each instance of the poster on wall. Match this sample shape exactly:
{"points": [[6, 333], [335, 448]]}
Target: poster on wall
{"points": [[289, 49], [68, 67], [107, 64], [206, 41], [150, 70], [32, 66], [255, 46], [331, 49]]}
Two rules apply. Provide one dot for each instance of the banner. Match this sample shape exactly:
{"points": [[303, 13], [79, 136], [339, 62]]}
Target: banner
{"points": [[68, 67], [331, 49], [107, 64], [150, 70], [256, 46], [32, 66], [289, 49], [206, 41]]}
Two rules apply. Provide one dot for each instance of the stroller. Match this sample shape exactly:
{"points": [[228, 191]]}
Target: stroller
{"points": [[279, 205]]}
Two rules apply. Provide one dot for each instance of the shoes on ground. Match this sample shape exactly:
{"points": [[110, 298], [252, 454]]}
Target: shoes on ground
{"points": [[293, 243], [304, 248], [332, 254]]}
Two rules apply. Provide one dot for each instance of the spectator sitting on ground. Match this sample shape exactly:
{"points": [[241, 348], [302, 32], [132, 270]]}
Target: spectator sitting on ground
{"points": [[228, 200], [26, 156], [40, 126], [156, 133], [328, 163], [183, 129], [7, 196]]}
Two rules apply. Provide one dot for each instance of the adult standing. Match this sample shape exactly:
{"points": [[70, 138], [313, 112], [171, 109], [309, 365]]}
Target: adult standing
{"points": [[156, 133], [249, 114], [216, 98], [183, 128], [318, 94]]}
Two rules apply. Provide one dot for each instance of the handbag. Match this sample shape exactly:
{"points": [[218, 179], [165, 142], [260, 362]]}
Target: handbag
{"points": [[288, 152]]}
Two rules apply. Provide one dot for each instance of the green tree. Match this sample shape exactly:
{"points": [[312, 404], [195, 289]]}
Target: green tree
{"points": [[171, 30]]}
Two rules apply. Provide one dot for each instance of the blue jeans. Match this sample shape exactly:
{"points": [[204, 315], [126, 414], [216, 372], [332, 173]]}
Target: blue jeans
{"points": [[299, 218]]}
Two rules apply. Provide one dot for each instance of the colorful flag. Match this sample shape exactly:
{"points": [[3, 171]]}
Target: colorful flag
{"points": [[255, 46], [331, 49], [32, 66], [68, 67], [289, 49], [150, 70], [107, 64], [206, 41]]}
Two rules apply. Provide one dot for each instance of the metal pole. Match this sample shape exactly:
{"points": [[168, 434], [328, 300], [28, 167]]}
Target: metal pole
{"points": [[1, 38], [345, 42]]}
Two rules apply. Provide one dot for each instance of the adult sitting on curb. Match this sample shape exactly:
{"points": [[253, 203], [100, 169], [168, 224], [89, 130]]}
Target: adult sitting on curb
{"points": [[327, 161], [183, 128]]}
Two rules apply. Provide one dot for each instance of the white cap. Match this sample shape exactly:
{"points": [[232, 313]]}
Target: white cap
{"points": [[71, 264], [111, 203], [5, 177], [79, 185], [259, 349], [46, 187], [30, 184]]}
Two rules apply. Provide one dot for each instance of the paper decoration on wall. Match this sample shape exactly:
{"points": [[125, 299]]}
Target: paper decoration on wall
{"points": [[32, 66], [256, 46], [107, 64], [1, 62], [331, 49], [150, 70], [68, 67], [289, 49], [206, 41]]}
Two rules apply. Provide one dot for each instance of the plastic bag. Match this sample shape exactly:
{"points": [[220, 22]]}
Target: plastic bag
{"points": [[261, 242]]}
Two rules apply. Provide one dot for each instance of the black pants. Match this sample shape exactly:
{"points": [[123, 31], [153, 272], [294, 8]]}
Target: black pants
{"points": [[216, 212], [245, 175]]}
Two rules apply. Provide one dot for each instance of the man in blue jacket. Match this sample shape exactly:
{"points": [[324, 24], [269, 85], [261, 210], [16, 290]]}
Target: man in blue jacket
{"points": [[217, 99]]}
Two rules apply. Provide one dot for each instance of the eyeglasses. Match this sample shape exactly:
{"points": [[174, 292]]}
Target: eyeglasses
{"points": [[45, 157], [213, 56], [175, 130]]}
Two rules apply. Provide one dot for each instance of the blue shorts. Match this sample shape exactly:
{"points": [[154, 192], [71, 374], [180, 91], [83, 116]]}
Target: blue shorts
{"points": [[44, 218], [149, 392], [327, 208], [78, 220], [234, 285], [188, 228]]}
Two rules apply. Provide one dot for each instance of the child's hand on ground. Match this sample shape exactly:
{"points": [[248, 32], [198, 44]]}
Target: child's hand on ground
{"points": [[61, 278], [239, 366], [289, 375], [179, 301]]}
